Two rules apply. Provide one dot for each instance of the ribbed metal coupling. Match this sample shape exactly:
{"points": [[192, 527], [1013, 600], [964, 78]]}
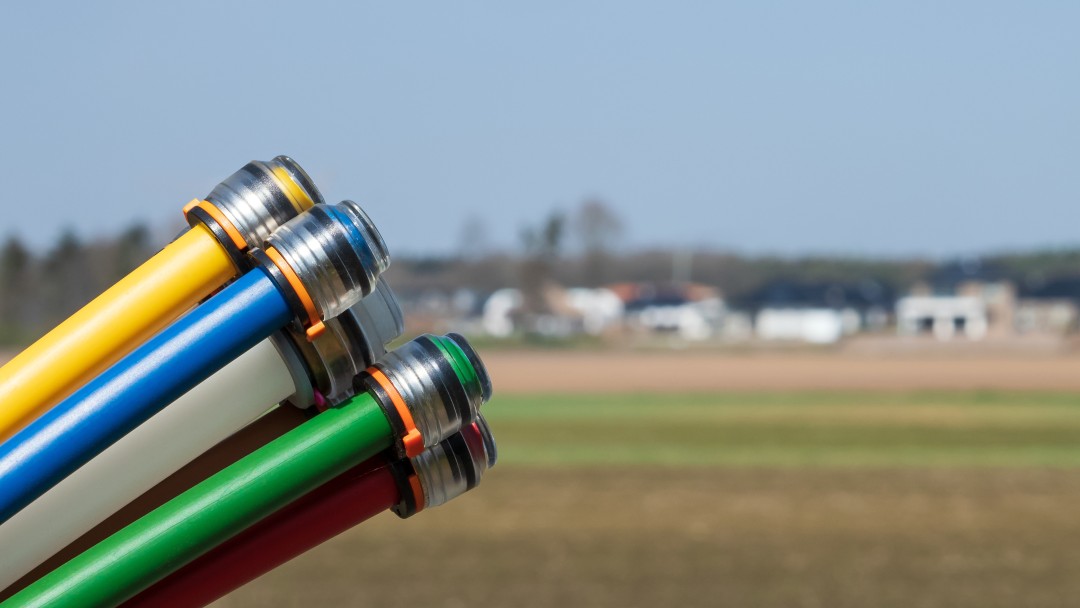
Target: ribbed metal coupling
{"points": [[453, 467], [380, 316], [351, 343], [336, 253], [262, 196], [442, 382]]}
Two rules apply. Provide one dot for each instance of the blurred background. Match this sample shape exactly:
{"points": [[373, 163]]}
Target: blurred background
{"points": [[780, 299]]}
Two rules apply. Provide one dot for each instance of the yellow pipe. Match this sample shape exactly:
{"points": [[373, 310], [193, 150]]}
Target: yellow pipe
{"points": [[99, 335]]}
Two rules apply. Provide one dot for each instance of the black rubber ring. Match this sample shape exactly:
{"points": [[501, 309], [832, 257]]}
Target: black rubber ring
{"points": [[300, 315], [239, 259], [403, 470]]}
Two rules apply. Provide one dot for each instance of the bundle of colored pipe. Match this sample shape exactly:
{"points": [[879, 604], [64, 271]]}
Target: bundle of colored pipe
{"points": [[112, 476]]}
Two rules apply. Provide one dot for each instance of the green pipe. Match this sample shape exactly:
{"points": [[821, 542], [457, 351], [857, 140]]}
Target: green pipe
{"points": [[224, 505], [273, 476]]}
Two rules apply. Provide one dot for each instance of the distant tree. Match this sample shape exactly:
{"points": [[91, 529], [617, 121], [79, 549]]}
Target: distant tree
{"points": [[39, 292], [15, 260], [599, 229], [542, 246], [68, 276], [473, 241], [597, 225], [16, 288], [546, 241], [68, 249], [132, 249], [553, 234]]}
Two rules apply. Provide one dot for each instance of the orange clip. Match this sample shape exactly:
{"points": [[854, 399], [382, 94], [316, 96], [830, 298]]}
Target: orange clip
{"points": [[315, 325], [418, 492], [412, 440], [219, 217]]}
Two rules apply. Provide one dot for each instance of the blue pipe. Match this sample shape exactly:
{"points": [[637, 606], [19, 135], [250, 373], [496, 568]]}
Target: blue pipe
{"points": [[137, 387]]}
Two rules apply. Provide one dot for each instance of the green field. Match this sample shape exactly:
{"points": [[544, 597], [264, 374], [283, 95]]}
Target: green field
{"points": [[775, 500], [791, 430]]}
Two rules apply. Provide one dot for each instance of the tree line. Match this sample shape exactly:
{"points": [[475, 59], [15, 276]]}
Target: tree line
{"points": [[584, 248], [39, 289]]}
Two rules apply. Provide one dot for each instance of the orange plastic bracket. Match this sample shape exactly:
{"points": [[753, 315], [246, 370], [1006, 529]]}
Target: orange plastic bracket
{"points": [[418, 492], [315, 326], [413, 440], [222, 221]]}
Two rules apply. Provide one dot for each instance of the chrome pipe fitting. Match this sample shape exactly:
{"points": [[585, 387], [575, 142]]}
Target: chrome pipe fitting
{"points": [[451, 468], [262, 196], [351, 343], [335, 252], [441, 380]]}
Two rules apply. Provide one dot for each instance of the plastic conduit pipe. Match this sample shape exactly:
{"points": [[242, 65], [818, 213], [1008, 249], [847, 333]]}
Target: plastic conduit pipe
{"points": [[429, 389], [316, 266], [441, 474], [269, 373], [239, 213], [270, 426]]}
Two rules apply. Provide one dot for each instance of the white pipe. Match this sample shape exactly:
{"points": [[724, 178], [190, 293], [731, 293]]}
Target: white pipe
{"points": [[274, 370], [211, 412]]}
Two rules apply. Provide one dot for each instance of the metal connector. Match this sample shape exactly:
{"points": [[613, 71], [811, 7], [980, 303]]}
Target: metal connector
{"points": [[351, 343], [380, 316], [332, 256], [325, 261], [431, 388], [246, 208], [448, 470]]}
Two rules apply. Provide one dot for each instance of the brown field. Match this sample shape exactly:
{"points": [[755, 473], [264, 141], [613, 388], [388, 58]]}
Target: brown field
{"points": [[541, 533], [574, 371], [819, 536], [518, 372], [713, 537]]}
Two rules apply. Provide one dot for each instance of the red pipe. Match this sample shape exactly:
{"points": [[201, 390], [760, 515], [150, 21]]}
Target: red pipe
{"points": [[346, 501]]}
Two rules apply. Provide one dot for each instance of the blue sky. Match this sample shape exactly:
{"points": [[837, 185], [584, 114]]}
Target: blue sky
{"points": [[787, 127]]}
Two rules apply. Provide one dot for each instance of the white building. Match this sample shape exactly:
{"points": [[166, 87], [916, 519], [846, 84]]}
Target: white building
{"points": [[578, 310], [599, 308], [498, 312], [813, 325], [944, 317], [689, 320]]}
